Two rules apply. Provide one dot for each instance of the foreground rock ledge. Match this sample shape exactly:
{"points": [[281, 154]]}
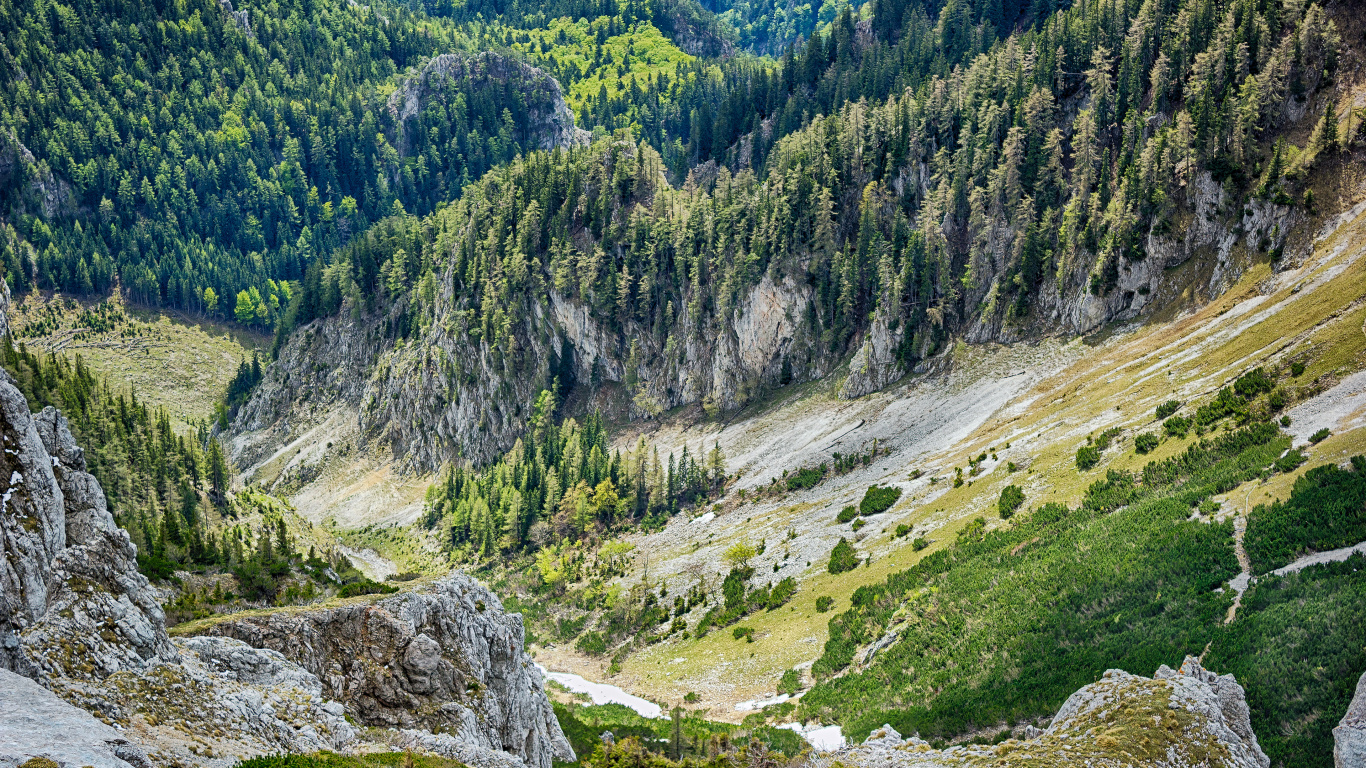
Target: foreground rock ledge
{"points": [[442, 658], [1178, 718]]}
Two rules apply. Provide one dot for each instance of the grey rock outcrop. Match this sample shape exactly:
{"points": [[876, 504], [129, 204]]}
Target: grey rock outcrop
{"points": [[549, 123], [72, 603], [39, 190], [34, 722], [875, 364], [77, 617], [1349, 738], [443, 658], [1178, 718]]}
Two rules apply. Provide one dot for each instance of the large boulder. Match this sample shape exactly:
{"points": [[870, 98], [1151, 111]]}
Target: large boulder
{"points": [[1349, 738], [444, 657], [34, 723]]}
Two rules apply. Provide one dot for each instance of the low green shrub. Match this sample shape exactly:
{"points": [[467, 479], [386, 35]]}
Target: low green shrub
{"points": [[805, 478], [1012, 496], [1146, 442], [1167, 409], [1177, 426], [1290, 461], [1320, 436], [592, 643], [843, 557], [920, 543], [366, 587], [1326, 510], [878, 499], [824, 603], [1088, 456], [790, 683], [848, 513]]}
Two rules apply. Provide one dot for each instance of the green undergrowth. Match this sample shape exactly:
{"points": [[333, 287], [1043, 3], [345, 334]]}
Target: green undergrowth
{"points": [[1298, 647], [683, 736], [333, 760], [1326, 510], [1007, 623]]}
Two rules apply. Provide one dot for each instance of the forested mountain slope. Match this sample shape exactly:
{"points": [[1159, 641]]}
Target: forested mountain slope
{"points": [[1047, 187], [189, 154]]}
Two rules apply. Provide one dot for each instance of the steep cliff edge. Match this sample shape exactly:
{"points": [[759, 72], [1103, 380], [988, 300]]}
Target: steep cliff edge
{"points": [[74, 603], [444, 658]]}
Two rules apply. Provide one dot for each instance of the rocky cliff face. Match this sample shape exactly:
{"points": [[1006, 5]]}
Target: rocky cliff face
{"points": [[30, 182], [550, 122], [77, 617], [445, 658], [1349, 738], [440, 396], [1186, 717], [72, 603]]}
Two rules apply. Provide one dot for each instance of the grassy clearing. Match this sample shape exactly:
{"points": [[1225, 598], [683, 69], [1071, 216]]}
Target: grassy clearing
{"points": [[1003, 626], [172, 360]]}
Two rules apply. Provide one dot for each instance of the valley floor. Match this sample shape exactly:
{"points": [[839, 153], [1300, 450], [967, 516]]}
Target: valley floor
{"points": [[1032, 406]]}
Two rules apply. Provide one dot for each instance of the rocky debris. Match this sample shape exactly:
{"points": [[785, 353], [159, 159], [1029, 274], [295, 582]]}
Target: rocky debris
{"points": [[550, 122], [1349, 738], [1186, 717], [35, 723], [443, 658]]}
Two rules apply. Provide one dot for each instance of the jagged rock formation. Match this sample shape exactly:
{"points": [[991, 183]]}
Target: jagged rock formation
{"points": [[30, 182], [241, 18], [550, 122], [444, 658], [74, 604], [428, 413], [1186, 717], [1349, 738], [35, 723], [77, 617]]}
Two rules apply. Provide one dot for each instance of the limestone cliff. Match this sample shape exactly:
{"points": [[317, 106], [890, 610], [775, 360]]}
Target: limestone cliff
{"points": [[437, 393], [441, 395], [444, 658]]}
